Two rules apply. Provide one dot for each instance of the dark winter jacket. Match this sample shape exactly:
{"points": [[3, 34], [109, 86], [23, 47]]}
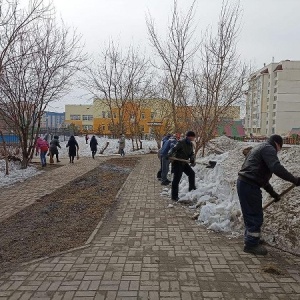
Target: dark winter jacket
{"points": [[54, 144], [259, 165], [93, 144], [72, 144], [183, 150]]}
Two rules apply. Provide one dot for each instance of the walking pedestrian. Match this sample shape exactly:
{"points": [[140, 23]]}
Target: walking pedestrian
{"points": [[86, 139], [183, 150], [93, 145], [54, 145], [260, 163], [42, 148], [168, 145], [121, 144], [73, 148]]}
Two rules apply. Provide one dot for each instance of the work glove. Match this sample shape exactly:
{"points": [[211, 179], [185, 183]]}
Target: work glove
{"points": [[193, 163], [297, 183], [275, 196]]}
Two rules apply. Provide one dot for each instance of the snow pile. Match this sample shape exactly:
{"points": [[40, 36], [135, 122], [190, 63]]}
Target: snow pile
{"points": [[217, 199], [16, 174]]}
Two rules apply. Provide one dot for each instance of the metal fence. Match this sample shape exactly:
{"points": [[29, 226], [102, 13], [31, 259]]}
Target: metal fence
{"points": [[286, 140]]}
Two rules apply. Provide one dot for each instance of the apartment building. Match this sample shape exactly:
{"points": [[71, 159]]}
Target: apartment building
{"points": [[52, 120], [273, 99]]}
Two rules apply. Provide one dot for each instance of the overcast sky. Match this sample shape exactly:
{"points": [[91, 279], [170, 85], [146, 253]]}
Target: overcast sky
{"points": [[270, 28]]}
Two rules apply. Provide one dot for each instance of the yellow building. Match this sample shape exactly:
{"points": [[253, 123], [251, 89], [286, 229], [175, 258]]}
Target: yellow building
{"points": [[148, 115], [81, 115], [136, 117]]}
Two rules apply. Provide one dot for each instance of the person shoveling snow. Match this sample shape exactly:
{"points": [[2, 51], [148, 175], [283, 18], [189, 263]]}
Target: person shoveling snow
{"points": [[260, 163]]}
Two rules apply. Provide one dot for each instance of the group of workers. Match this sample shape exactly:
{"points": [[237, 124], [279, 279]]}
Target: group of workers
{"points": [[260, 163]]}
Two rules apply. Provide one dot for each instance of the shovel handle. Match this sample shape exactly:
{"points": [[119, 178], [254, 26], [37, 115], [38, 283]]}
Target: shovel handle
{"points": [[281, 194], [179, 159]]}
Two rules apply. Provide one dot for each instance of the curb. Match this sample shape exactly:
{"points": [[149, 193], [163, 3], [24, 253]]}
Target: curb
{"points": [[92, 236], [89, 240]]}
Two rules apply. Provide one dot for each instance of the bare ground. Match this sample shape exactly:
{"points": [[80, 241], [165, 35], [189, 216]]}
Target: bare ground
{"points": [[64, 219]]}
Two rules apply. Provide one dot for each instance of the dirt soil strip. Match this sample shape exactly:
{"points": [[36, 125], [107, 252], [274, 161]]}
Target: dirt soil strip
{"points": [[64, 219]]}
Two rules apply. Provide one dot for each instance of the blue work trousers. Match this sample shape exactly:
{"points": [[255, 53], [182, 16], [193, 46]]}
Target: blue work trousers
{"points": [[251, 204], [164, 168]]}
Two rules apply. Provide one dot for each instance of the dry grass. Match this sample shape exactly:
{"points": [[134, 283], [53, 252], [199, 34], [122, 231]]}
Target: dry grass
{"points": [[64, 219]]}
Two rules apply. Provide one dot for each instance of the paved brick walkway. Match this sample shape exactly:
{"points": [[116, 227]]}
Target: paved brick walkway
{"points": [[15, 198], [145, 250]]}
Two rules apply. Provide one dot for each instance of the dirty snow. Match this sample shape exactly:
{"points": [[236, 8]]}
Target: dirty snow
{"points": [[16, 174], [217, 201]]}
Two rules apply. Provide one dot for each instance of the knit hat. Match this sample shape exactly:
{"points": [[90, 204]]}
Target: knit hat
{"points": [[190, 133], [277, 139]]}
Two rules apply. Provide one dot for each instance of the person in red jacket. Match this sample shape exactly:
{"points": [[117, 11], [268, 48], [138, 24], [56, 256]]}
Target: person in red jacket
{"points": [[42, 147]]}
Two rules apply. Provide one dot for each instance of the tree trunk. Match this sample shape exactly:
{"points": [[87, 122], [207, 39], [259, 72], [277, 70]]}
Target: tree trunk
{"points": [[5, 153], [25, 161], [132, 142]]}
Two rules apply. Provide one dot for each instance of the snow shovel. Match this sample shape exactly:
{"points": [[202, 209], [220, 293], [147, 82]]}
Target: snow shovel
{"points": [[281, 194]]}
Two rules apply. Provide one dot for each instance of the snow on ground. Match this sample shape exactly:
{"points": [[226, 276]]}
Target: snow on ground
{"points": [[16, 174], [112, 149], [217, 201]]}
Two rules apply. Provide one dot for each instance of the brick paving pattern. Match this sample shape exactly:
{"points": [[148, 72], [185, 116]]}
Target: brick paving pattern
{"points": [[145, 250]]}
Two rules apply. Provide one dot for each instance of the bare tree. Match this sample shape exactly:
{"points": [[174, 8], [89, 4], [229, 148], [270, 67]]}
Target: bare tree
{"points": [[13, 19], [41, 65], [175, 53], [123, 81], [219, 83]]}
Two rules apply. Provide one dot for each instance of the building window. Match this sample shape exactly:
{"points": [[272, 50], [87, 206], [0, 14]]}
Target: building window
{"points": [[275, 90], [103, 127], [142, 116], [75, 117], [268, 91], [87, 117], [274, 122], [115, 115], [267, 122], [103, 114], [275, 82], [109, 115], [275, 98], [152, 115], [274, 106], [87, 127], [274, 114]]}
